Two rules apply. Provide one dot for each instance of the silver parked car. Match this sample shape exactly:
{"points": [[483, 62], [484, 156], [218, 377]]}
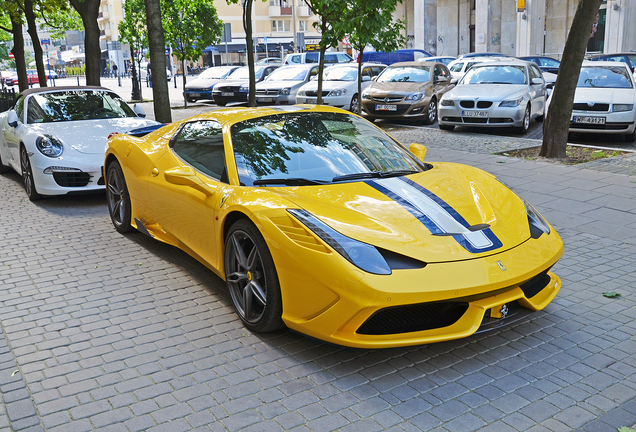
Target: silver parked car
{"points": [[281, 86], [496, 94]]}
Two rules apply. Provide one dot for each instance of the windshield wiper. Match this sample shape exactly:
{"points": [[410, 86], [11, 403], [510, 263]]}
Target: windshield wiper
{"points": [[290, 181], [374, 174]]}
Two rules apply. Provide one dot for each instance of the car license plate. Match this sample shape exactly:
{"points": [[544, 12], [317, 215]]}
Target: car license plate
{"points": [[264, 99], [195, 94], [474, 113], [589, 120], [311, 101], [386, 107], [227, 94]]}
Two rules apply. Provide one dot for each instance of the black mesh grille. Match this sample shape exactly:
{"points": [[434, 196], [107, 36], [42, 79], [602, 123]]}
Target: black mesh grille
{"points": [[475, 120], [412, 318], [315, 93], [600, 107], [606, 126], [71, 179], [484, 104], [467, 104]]}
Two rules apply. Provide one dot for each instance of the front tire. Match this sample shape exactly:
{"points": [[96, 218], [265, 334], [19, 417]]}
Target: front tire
{"points": [[354, 106], [118, 198], [27, 176], [630, 138], [431, 112], [251, 278], [525, 125]]}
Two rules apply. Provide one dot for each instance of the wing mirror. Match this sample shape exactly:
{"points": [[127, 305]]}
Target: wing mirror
{"points": [[12, 119], [418, 150], [185, 176], [139, 111], [454, 80], [537, 81], [366, 78], [549, 85]]}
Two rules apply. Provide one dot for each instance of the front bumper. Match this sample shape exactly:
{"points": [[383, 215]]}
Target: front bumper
{"points": [[334, 101], [198, 94], [495, 116], [236, 97], [275, 99], [414, 110], [616, 123], [334, 301], [67, 175]]}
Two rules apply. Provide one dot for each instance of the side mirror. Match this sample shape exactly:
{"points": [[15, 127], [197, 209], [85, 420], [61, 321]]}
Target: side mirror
{"points": [[418, 150], [139, 111], [454, 81], [441, 79], [549, 85], [366, 78], [537, 81], [12, 119], [185, 176]]}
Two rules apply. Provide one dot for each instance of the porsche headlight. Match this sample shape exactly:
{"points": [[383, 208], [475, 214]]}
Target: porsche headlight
{"points": [[337, 92], [623, 107], [511, 103], [362, 255], [447, 102], [285, 91], [415, 96], [49, 146]]}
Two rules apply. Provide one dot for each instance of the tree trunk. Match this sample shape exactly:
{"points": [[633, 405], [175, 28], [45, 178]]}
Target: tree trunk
{"points": [[157, 47], [88, 11], [18, 54], [557, 122], [183, 74], [321, 68], [37, 48], [247, 25], [360, 52]]}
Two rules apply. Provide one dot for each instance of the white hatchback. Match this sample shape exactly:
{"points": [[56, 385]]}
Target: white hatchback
{"points": [[339, 85]]}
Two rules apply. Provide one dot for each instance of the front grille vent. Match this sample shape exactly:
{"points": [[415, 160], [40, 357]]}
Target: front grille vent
{"points": [[71, 179], [413, 318]]}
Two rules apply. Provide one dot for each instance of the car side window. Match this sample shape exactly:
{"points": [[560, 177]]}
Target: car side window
{"points": [[342, 58], [331, 58], [366, 72], [457, 67], [200, 144], [19, 109], [311, 57], [375, 70], [534, 71], [313, 72], [632, 61]]}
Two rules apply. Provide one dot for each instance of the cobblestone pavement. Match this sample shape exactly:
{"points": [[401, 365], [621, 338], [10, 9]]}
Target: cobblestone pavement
{"points": [[102, 331]]}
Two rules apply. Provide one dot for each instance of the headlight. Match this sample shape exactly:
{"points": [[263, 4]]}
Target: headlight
{"points": [[285, 91], [538, 225], [337, 92], [49, 146], [415, 96], [245, 87], [623, 107], [362, 255], [447, 102], [366, 96], [511, 103]]}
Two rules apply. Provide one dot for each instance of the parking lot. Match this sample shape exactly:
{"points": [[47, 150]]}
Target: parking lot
{"points": [[103, 331]]}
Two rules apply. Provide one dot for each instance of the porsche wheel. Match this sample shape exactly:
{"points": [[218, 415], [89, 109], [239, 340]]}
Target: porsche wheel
{"points": [[118, 198], [27, 176], [431, 112], [251, 278]]}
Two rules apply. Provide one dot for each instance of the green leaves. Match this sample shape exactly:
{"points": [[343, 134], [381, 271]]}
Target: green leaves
{"points": [[611, 294]]}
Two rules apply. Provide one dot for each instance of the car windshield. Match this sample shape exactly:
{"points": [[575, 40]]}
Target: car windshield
{"points": [[289, 73], [315, 147], [495, 74], [341, 74], [418, 74], [604, 77], [76, 105], [244, 73], [214, 73]]}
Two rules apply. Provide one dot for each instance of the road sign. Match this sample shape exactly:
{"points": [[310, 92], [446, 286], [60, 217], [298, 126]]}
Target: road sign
{"points": [[11, 55], [227, 33], [45, 41]]}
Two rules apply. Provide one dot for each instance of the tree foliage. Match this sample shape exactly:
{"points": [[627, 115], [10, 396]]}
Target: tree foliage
{"points": [[372, 23], [557, 121], [190, 26]]}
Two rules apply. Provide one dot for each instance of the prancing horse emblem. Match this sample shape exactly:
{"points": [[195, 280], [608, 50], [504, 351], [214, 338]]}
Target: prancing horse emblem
{"points": [[504, 311], [501, 266]]}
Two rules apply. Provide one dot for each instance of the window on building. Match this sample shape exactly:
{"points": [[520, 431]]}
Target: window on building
{"points": [[281, 26], [302, 26]]}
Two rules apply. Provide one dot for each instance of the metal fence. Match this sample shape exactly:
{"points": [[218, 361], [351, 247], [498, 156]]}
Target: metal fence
{"points": [[7, 99]]}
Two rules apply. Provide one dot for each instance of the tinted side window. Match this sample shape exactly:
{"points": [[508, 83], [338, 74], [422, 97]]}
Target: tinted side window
{"points": [[632, 60], [311, 58], [457, 67], [331, 58], [200, 144], [19, 109], [375, 70]]}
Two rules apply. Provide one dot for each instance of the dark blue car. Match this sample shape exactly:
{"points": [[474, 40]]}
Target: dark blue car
{"points": [[401, 55]]}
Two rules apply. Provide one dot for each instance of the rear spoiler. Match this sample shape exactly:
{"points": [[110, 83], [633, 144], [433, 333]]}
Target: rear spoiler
{"points": [[139, 132]]}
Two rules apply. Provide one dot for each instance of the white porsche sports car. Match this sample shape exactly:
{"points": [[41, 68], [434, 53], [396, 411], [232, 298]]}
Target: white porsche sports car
{"points": [[55, 137]]}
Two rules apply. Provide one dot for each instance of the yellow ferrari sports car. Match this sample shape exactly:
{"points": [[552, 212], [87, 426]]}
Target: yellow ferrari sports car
{"points": [[319, 221]]}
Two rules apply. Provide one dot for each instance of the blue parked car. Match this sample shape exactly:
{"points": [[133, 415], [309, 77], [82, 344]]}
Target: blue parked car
{"points": [[401, 55]]}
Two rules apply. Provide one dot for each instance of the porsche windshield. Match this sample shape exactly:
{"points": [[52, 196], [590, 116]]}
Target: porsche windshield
{"points": [[604, 77], [314, 148], [495, 74], [76, 105]]}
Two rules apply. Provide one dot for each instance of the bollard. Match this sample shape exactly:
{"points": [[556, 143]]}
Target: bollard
{"points": [[78, 81], [175, 81], [119, 79]]}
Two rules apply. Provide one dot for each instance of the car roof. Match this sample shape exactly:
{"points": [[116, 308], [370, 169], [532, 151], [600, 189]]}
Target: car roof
{"points": [[482, 54], [414, 63], [604, 63], [61, 89], [354, 64], [506, 62]]}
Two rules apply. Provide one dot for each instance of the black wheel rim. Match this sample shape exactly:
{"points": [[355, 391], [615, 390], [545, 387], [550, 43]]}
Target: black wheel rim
{"points": [[526, 119], [116, 194], [27, 174], [354, 105], [246, 277]]}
